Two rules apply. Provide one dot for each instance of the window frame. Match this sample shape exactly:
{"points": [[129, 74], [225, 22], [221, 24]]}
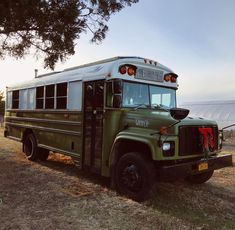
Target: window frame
{"points": [[149, 94], [49, 96], [40, 98], [61, 97]]}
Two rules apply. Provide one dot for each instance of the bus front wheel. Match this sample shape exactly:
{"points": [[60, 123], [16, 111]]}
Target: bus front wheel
{"points": [[199, 178], [30, 147], [134, 176]]}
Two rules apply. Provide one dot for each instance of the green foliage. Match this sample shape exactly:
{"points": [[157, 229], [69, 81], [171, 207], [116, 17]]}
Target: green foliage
{"points": [[2, 103], [52, 26], [1, 96]]}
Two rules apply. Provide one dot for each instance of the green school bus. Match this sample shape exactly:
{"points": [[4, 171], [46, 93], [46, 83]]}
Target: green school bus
{"points": [[118, 118]]}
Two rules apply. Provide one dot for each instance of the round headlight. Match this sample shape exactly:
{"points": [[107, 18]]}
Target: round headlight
{"points": [[166, 146]]}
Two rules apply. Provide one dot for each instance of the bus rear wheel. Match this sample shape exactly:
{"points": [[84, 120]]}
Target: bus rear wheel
{"points": [[134, 176], [30, 147]]}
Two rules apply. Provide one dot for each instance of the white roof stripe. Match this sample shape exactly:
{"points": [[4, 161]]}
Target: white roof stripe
{"points": [[91, 71]]}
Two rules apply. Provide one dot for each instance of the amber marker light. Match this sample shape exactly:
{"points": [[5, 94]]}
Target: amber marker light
{"points": [[163, 130], [122, 69], [131, 71], [170, 77], [167, 77], [173, 79]]}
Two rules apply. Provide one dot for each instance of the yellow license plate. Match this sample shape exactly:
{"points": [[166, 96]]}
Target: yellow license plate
{"points": [[202, 166]]}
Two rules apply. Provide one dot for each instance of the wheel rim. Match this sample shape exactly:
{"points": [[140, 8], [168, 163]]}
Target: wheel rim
{"points": [[28, 147], [131, 178]]}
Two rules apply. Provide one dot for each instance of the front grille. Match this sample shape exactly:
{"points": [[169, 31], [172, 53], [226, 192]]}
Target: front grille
{"points": [[190, 140]]}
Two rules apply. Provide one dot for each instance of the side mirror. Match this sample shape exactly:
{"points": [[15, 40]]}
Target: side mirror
{"points": [[117, 87], [117, 101], [179, 113]]}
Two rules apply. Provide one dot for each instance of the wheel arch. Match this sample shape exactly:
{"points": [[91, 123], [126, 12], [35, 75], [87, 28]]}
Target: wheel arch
{"points": [[124, 144]]}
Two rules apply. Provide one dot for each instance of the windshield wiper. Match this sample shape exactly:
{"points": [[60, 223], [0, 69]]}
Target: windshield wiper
{"points": [[159, 106], [140, 105]]}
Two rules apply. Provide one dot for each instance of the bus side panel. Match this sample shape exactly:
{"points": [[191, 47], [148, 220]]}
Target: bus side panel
{"points": [[111, 129], [57, 131]]}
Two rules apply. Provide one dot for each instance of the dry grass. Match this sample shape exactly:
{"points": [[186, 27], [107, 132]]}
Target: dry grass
{"points": [[55, 195]]}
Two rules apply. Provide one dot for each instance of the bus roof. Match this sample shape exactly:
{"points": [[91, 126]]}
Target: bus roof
{"points": [[102, 69]]}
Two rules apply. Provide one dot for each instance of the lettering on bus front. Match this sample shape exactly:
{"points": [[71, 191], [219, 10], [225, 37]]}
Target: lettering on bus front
{"points": [[142, 123]]}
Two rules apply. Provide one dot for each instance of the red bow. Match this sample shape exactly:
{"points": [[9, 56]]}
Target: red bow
{"points": [[207, 135]]}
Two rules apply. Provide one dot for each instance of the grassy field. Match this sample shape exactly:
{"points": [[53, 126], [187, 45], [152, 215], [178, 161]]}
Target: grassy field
{"points": [[55, 195]]}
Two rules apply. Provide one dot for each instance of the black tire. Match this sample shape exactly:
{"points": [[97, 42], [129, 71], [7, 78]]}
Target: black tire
{"points": [[30, 147], [42, 154], [199, 178], [134, 176]]}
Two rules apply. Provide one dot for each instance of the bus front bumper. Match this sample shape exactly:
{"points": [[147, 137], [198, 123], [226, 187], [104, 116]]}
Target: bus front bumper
{"points": [[182, 170]]}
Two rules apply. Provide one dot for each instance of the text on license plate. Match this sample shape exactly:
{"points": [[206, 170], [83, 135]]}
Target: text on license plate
{"points": [[202, 166]]}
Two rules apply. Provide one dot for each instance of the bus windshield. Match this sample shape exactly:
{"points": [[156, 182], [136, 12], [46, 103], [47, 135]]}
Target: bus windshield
{"points": [[144, 95]]}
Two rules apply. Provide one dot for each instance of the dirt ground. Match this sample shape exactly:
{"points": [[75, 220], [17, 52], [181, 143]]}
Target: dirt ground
{"points": [[55, 195]]}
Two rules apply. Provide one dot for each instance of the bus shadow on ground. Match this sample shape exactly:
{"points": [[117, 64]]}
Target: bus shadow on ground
{"points": [[65, 164], [209, 204]]}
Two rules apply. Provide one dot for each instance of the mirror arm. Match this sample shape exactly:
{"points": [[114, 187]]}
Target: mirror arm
{"points": [[173, 124]]}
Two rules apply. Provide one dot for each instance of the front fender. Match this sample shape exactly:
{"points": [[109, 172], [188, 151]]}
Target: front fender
{"points": [[135, 135]]}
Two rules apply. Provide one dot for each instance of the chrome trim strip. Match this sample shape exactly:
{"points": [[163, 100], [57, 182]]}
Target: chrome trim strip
{"points": [[76, 155], [74, 133], [14, 138], [75, 123]]}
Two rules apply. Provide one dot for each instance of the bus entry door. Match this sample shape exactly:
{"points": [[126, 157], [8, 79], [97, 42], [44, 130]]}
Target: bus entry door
{"points": [[93, 124]]}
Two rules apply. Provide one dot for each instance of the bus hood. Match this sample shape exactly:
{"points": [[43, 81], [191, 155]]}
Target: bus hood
{"points": [[156, 119]]}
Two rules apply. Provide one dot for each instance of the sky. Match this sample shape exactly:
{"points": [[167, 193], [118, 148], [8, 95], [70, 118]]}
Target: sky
{"points": [[195, 38]]}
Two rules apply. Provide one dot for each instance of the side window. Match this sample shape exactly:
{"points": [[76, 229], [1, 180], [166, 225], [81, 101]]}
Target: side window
{"points": [[15, 99], [50, 97], [75, 95], [23, 99], [109, 94], [99, 92], [31, 98], [61, 96], [39, 97], [9, 100]]}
